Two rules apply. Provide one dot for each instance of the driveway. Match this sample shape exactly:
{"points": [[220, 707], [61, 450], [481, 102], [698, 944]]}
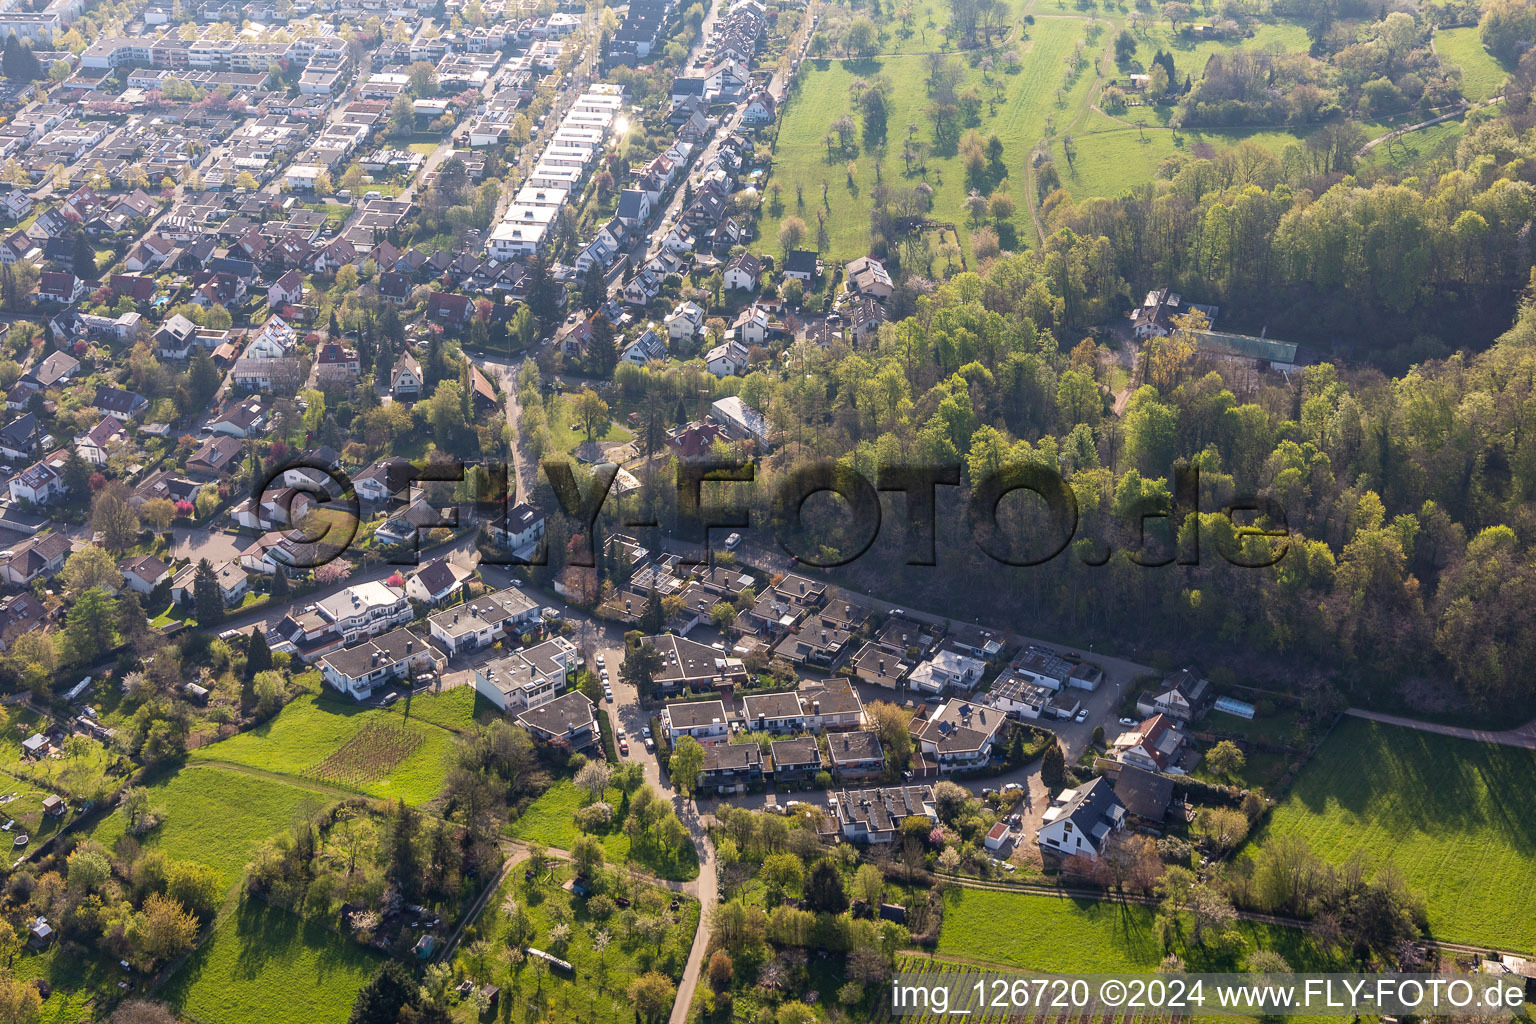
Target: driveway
{"points": [[194, 542]]}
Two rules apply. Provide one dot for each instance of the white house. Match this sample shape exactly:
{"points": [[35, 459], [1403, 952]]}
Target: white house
{"points": [[1080, 821], [686, 321], [704, 720], [436, 582], [727, 360], [397, 654]]}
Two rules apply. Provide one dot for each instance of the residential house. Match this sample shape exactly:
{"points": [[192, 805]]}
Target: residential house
{"points": [[1080, 821], [1182, 696], [144, 573], [1146, 795], [686, 321], [704, 720], [37, 556], [55, 370], [437, 581], [731, 768], [868, 276], [20, 438], [644, 350], [232, 579], [795, 761], [97, 444], [855, 755], [947, 671], [959, 734], [727, 360], [60, 286], [1155, 745], [690, 665], [743, 273], [39, 483], [567, 720], [119, 404], [398, 654], [405, 378], [215, 457], [876, 815], [802, 265], [479, 623], [740, 420], [287, 290]]}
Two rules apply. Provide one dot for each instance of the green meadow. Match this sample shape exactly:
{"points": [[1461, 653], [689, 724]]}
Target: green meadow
{"points": [[1452, 815]]}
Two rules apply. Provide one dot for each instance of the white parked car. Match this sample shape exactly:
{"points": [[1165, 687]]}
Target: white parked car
{"points": [[1128, 722], [1082, 716], [599, 661]]}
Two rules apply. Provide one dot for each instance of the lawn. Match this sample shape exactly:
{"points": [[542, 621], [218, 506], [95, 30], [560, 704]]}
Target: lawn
{"points": [[565, 429], [595, 993], [216, 816], [1405, 151], [75, 984], [801, 162], [1062, 935], [1190, 54], [1481, 74], [1111, 157], [551, 820], [1452, 815], [264, 964], [389, 753]]}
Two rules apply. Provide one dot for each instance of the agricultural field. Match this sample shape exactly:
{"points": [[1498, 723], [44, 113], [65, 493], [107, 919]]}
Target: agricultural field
{"points": [[596, 991], [383, 752], [216, 816], [1448, 813], [1481, 73], [265, 965], [1062, 935], [551, 820], [801, 161]]}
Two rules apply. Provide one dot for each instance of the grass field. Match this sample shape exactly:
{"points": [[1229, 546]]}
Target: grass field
{"points": [[1481, 73], [1058, 935], [1190, 55], [1111, 157], [1453, 816], [216, 816], [551, 820], [800, 160], [565, 430], [392, 752], [1405, 150], [75, 984], [266, 965]]}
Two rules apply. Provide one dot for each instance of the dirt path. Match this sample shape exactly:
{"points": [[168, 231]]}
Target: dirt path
{"points": [[1524, 737]]}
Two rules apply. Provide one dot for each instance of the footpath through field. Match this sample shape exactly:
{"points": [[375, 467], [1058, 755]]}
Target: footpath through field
{"points": [[1524, 737]]}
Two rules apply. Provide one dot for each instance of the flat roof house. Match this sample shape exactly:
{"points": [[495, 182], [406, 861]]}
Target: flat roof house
{"points": [[731, 767], [795, 761], [855, 755], [479, 623], [704, 720]]}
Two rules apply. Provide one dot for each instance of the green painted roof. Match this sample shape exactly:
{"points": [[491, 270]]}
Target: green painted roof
{"points": [[1249, 346]]}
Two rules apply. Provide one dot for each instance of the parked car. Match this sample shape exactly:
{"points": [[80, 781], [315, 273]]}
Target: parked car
{"points": [[599, 661], [645, 731], [1012, 787], [1128, 722], [733, 542], [650, 745], [619, 732], [608, 696], [624, 747], [1082, 716]]}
